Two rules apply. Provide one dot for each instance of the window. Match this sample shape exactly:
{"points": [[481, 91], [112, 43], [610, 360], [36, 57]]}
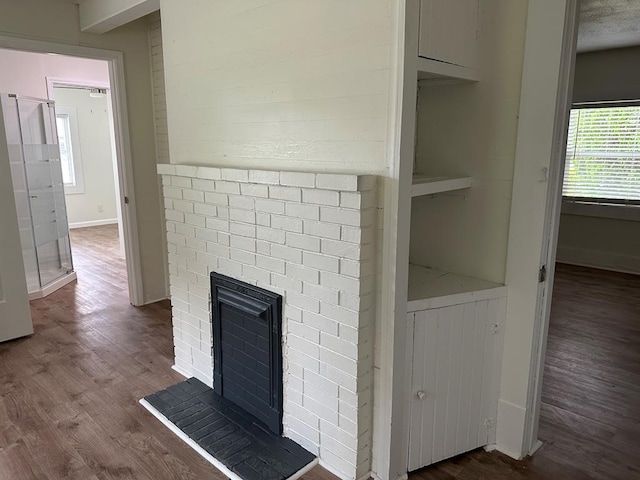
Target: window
{"points": [[603, 156], [66, 150], [69, 143]]}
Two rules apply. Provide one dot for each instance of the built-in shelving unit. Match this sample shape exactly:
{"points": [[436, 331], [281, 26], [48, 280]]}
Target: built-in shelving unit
{"points": [[435, 70], [455, 322], [432, 288], [429, 185]]}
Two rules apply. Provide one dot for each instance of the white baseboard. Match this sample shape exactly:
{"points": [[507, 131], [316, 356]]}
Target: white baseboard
{"points": [[535, 447], [510, 429], [53, 286], [612, 261], [182, 372], [206, 455], [149, 302], [93, 223]]}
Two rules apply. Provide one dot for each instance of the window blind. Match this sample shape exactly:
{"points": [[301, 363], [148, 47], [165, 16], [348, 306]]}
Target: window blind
{"points": [[603, 155]]}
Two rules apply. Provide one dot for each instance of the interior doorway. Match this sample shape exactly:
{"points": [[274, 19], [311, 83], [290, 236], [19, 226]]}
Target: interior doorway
{"points": [[588, 398], [111, 89], [90, 170]]}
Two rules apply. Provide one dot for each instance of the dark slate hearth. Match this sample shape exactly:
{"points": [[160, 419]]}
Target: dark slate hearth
{"points": [[235, 438]]}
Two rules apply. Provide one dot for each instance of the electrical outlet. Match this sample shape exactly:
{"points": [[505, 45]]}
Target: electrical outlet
{"points": [[100, 208]]}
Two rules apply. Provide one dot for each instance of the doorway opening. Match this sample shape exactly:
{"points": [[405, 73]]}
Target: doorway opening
{"points": [[590, 396], [88, 88], [589, 402], [90, 170]]}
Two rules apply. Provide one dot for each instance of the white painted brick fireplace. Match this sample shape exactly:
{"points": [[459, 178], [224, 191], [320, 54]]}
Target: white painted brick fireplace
{"points": [[311, 238]]}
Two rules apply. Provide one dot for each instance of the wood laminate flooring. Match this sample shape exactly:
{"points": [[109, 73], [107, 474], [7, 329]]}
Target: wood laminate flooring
{"points": [[69, 393]]}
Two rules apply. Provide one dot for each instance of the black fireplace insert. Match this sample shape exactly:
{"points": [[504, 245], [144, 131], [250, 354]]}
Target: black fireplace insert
{"points": [[247, 348]]}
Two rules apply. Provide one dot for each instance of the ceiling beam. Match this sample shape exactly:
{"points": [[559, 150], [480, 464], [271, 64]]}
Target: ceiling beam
{"points": [[100, 16]]}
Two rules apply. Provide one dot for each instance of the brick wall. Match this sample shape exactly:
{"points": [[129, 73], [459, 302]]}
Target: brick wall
{"points": [[157, 82], [311, 238]]}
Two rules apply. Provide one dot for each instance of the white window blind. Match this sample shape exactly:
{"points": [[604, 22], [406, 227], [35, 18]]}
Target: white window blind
{"points": [[603, 155]]}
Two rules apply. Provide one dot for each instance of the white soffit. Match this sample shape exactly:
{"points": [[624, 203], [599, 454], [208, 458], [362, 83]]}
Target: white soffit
{"points": [[606, 24], [100, 16]]}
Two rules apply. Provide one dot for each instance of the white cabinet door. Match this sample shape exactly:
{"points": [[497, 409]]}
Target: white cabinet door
{"points": [[457, 352], [448, 31], [15, 314]]}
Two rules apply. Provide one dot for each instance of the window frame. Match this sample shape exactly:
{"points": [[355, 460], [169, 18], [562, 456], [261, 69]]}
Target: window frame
{"points": [[71, 115], [598, 207]]}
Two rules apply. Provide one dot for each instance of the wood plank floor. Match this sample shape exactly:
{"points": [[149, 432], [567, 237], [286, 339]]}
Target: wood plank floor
{"points": [[590, 419], [69, 393]]}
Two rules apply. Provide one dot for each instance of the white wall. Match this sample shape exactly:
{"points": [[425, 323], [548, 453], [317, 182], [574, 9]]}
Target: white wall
{"points": [[470, 129], [45, 20], [97, 158], [592, 241], [608, 243], [295, 84], [25, 73]]}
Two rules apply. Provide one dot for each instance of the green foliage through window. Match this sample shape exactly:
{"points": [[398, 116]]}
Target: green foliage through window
{"points": [[603, 154]]}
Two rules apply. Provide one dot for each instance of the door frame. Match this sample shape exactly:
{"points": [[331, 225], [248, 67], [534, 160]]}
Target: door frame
{"points": [[545, 101], [58, 82], [552, 223], [127, 197]]}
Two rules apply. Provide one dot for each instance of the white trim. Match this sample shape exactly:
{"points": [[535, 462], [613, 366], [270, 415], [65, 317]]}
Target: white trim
{"points": [[126, 183], [122, 138], [457, 299], [149, 301], [618, 212], [93, 223], [53, 286], [553, 207], [182, 372], [206, 455], [536, 447], [391, 432], [541, 145]]}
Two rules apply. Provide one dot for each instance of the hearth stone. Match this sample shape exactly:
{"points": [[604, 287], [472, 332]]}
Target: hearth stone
{"points": [[241, 442]]}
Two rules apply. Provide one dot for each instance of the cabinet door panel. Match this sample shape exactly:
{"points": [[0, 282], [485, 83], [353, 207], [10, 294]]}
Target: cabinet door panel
{"points": [[448, 31], [455, 382]]}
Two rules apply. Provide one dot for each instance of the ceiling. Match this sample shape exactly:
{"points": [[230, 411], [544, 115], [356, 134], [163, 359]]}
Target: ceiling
{"points": [[608, 24], [604, 24]]}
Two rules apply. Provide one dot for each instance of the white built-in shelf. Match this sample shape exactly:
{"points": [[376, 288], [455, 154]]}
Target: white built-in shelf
{"points": [[432, 288], [434, 70], [428, 185]]}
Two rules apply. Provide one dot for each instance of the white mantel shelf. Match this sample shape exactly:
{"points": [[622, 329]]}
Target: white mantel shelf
{"points": [[433, 288], [427, 185]]}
